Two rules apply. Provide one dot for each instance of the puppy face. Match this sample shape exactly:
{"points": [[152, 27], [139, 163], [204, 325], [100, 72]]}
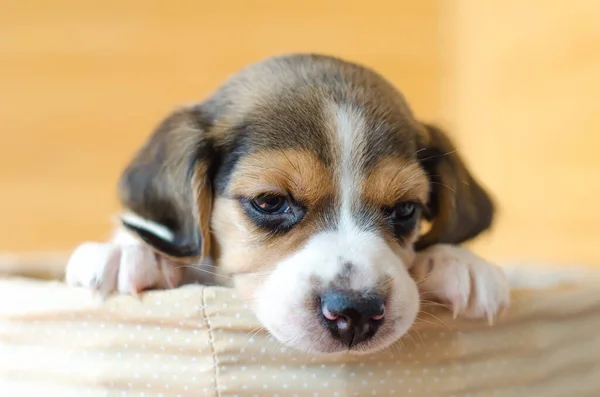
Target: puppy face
{"points": [[312, 177]]}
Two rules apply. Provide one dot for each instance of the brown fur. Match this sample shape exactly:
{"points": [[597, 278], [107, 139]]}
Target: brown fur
{"points": [[250, 249], [266, 129], [393, 179], [297, 172]]}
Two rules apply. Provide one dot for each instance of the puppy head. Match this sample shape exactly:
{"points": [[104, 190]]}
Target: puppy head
{"points": [[313, 177]]}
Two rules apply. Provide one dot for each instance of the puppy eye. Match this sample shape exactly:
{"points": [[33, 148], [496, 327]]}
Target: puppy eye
{"points": [[404, 211], [270, 204], [401, 212], [273, 213], [402, 217]]}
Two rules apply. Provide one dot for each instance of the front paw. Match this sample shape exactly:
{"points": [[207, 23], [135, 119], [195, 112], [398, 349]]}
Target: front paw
{"points": [[454, 275], [128, 269]]}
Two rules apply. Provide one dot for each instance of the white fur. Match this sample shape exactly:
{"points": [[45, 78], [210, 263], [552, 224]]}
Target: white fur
{"points": [[146, 224], [127, 265], [349, 125], [95, 266], [473, 287], [280, 303], [124, 265]]}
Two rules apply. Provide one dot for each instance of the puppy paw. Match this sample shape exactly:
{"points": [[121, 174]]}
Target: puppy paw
{"points": [[127, 269], [454, 275]]}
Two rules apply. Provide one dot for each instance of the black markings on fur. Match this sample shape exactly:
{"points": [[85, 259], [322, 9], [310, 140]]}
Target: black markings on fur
{"points": [[315, 282], [373, 219], [385, 285], [228, 156], [429, 159], [157, 184], [327, 210], [293, 120], [173, 249], [343, 280], [391, 138], [274, 223], [405, 228]]}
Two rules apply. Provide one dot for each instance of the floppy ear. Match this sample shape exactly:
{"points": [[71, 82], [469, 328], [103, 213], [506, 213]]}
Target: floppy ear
{"points": [[166, 189], [459, 208]]}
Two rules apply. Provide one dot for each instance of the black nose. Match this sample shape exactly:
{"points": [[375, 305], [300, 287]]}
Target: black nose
{"points": [[351, 317]]}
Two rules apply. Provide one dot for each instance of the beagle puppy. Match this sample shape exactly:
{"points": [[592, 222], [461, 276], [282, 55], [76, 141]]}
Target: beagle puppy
{"points": [[307, 183]]}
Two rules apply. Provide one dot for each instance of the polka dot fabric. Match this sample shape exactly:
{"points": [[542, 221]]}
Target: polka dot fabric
{"points": [[203, 341]]}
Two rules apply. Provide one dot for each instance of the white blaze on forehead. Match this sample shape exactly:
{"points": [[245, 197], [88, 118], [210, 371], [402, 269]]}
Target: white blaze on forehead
{"points": [[350, 125]]}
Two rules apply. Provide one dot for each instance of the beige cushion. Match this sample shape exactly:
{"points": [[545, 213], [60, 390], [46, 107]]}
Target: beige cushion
{"points": [[203, 341]]}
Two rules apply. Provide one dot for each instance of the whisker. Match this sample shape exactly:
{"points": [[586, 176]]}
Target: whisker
{"points": [[439, 155], [420, 337], [443, 184], [390, 350], [434, 292], [437, 318], [255, 330], [290, 162], [253, 334], [420, 150], [203, 264], [427, 322], [411, 337], [422, 280], [422, 320], [402, 343], [439, 304], [203, 271]]}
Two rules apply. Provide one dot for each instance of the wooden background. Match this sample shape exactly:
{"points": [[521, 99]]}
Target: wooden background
{"points": [[517, 83]]}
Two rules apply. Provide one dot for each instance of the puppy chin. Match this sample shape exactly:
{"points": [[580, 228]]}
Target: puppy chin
{"points": [[287, 302]]}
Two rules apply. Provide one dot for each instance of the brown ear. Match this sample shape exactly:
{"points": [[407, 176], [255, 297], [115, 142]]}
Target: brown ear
{"points": [[167, 186], [459, 208]]}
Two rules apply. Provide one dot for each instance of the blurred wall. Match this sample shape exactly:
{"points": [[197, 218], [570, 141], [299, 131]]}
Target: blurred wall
{"points": [[82, 85], [524, 100]]}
